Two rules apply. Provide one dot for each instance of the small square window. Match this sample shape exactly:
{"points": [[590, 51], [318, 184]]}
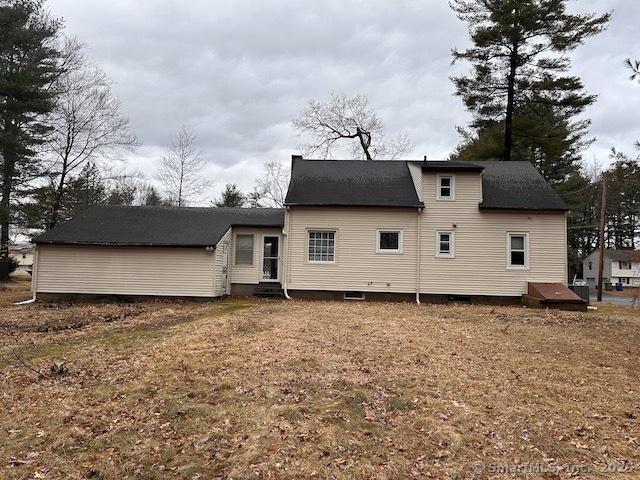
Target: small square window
{"points": [[446, 186], [517, 250], [389, 241], [444, 244], [322, 246]]}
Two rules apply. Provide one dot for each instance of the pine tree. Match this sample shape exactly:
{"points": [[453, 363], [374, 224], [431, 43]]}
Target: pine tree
{"points": [[29, 64], [520, 61], [231, 197]]}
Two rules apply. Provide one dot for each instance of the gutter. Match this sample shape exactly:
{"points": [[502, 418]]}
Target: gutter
{"points": [[285, 258]]}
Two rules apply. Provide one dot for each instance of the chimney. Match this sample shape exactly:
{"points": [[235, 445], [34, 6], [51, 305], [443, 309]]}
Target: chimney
{"points": [[294, 158]]}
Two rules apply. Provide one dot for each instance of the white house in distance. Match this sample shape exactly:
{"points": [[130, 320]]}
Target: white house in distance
{"points": [[620, 266], [398, 230]]}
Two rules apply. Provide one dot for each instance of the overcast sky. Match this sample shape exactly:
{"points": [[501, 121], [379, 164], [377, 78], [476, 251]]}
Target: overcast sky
{"points": [[239, 71]]}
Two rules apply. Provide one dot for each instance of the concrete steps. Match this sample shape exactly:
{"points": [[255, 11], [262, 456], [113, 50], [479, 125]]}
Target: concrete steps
{"points": [[269, 290]]}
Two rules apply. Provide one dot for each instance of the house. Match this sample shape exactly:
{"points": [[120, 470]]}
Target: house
{"points": [[412, 230], [620, 266], [23, 255]]}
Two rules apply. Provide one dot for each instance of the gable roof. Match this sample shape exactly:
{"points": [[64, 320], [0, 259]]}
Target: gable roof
{"points": [[388, 183], [380, 183], [159, 226], [516, 185]]}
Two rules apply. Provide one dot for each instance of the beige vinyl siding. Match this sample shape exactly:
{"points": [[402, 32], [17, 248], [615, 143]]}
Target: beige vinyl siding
{"points": [[222, 248], [250, 274], [480, 263], [159, 271], [357, 266]]}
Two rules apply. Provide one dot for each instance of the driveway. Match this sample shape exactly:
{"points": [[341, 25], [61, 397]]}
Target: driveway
{"points": [[612, 299]]}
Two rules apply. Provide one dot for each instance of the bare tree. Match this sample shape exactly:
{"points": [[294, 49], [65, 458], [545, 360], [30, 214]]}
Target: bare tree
{"points": [[87, 123], [181, 169], [634, 66], [272, 186], [348, 121]]}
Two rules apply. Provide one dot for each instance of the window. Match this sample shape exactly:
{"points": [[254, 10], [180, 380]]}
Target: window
{"points": [[517, 244], [444, 244], [625, 265], [590, 266], [353, 296], [446, 187], [244, 250], [389, 241], [624, 280], [322, 246]]}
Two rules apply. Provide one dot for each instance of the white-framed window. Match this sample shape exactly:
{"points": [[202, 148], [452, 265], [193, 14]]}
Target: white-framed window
{"points": [[624, 280], [389, 241], [517, 251], [244, 249], [322, 246], [446, 187], [590, 266], [625, 265], [445, 244]]}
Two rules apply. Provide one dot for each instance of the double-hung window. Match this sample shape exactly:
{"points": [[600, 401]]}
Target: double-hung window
{"points": [[322, 246], [446, 187], [517, 251], [389, 241], [444, 244], [625, 265], [244, 250]]}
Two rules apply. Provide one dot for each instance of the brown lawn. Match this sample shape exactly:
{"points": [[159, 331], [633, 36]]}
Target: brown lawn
{"points": [[247, 389]]}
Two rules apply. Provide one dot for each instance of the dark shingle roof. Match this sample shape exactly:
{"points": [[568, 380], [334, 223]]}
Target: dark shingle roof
{"points": [[351, 183], [161, 226], [516, 185], [623, 255], [449, 166]]}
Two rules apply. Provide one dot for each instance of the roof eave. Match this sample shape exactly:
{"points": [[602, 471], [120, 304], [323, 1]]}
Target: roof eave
{"points": [[532, 209], [403, 205]]}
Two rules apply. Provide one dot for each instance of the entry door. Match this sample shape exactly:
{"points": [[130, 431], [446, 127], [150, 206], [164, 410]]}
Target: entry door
{"points": [[270, 258]]}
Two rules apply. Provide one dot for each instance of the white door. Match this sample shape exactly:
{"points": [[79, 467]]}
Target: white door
{"points": [[270, 258]]}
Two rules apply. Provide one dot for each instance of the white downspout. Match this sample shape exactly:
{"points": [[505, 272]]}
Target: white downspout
{"points": [[285, 258], [418, 257], [34, 280]]}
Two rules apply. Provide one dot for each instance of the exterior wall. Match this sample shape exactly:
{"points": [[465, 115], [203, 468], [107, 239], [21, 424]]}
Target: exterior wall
{"points": [[632, 274], [479, 266], [592, 273], [480, 263], [105, 270], [357, 267], [250, 274], [222, 271]]}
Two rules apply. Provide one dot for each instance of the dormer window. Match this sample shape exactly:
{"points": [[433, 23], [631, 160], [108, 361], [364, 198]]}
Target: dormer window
{"points": [[446, 187]]}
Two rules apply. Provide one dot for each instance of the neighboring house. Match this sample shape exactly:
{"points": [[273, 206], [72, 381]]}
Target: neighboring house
{"points": [[23, 254], [350, 229], [620, 266]]}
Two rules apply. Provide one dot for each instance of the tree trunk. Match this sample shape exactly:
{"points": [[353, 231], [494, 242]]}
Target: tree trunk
{"points": [[57, 201], [365, 142], [511, 87], [9, 158]]}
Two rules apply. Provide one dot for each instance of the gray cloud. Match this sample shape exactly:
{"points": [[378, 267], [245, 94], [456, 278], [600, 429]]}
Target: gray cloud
{"points": [[240, 70]]}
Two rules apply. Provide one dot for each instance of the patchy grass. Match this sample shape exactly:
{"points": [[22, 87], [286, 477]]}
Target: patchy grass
{"points": [[247, 389]]}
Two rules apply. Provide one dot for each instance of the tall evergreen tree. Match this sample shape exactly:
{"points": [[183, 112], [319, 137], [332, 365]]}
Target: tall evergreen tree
{"points": [[29, 64], [520, 61]]}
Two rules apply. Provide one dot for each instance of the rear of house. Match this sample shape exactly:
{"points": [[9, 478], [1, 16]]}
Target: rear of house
{"points": [[350, 229]]}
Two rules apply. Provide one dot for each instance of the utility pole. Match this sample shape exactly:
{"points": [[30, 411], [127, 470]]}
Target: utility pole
{"points": [[603, 215]]}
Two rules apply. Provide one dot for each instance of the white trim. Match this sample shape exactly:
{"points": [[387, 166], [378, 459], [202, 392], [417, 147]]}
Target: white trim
{"points": [[452, 244], [452, 187], [526, 251], [279, 258], [335, 246], [235, 249], [386, 251]]}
